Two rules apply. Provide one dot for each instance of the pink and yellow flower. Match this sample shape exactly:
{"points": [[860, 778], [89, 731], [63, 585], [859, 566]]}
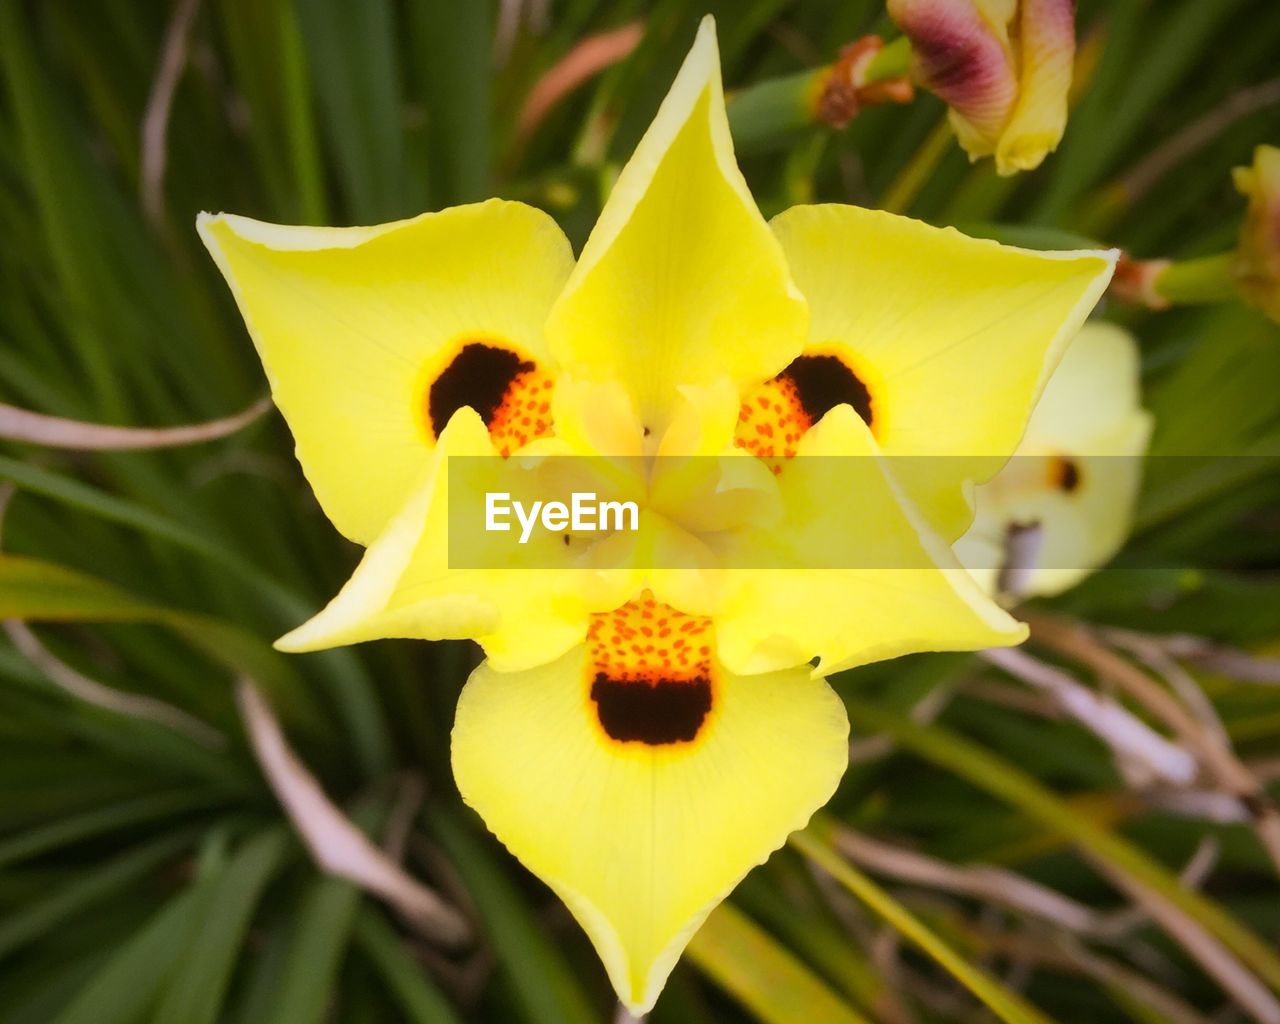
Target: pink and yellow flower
{"points": [[1002, 66], [645, 731]]}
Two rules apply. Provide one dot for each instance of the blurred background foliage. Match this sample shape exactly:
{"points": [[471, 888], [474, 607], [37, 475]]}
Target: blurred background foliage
{"points": [[146, 871]]}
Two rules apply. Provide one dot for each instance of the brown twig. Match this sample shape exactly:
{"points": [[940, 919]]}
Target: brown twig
{"points": [[1130, 738], [155, 122], [1217, 961], [81, 687], [586, 59], [134, 705], [1153, 655], [1075, 641], [336, 845], [990, 884], [1214, 657], [55, 432], [1138, 181], [1064, 953]]}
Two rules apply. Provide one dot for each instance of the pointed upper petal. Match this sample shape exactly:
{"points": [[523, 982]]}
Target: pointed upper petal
{"points": [[957, 336], [681, 281], [353, 324], [642, 841]]}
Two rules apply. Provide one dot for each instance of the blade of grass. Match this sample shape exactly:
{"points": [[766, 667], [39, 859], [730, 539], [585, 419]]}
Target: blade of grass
{"points": [[122, 990], [322, 930], [354, 73], [1004, 1002], [350, 686], [989, 772], [410, 985], [746, 962], [546, 988], [453, 44], [229, 897], [99, 821], [44, 915]]}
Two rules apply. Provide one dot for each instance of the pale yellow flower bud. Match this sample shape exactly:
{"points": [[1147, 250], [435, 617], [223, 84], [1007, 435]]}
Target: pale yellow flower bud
{"points": [[1257, 263]]}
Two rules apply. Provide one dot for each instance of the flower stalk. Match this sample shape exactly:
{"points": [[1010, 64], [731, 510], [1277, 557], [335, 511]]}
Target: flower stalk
{"points": [[1158, 284], [868, 72]]}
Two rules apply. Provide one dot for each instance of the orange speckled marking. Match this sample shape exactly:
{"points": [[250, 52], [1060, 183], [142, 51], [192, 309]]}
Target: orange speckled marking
{"points": [[776, 415], [524, 414], [651, 673], [645, 641], [771, 422]]}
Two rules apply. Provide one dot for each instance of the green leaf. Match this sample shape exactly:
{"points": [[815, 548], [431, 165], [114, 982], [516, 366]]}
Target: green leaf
{"points": [[409, 983], [354, 71], [127, 985], [453, 43], [39, 591], [322, 930], [98, 821], [228, 899], [45, 914], [546, 989]]}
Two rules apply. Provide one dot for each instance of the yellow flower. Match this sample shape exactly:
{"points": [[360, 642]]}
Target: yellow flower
{"points": [[648, 725], [1002, 66], [1062, 506], [1257, 264]]}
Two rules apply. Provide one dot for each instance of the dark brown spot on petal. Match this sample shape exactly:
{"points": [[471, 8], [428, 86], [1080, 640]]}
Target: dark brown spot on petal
{"points": [[1065, 474], [480, 376], [657, 714], [824, 381], [649, 682], [508, 392]]}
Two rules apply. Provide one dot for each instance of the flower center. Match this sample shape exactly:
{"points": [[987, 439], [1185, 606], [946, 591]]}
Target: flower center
{"points": [[510, 393], [651, 672], [778, 413]]}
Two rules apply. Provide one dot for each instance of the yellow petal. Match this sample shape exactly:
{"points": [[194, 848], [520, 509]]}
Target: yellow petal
{"points": [[1076, 474], [1095, 389], [642, 840], [850, 588], [1046, 44], [681, 281], [351, 324], [525, 613], [956, 336]]}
